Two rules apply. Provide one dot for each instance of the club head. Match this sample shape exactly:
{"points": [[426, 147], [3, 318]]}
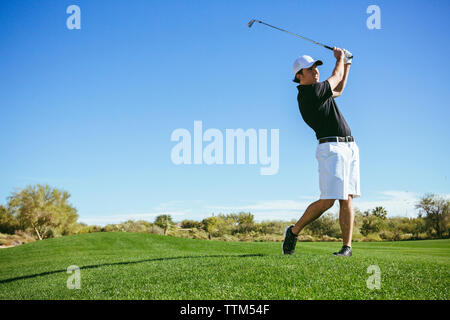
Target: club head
{"points": [[251, 23]]}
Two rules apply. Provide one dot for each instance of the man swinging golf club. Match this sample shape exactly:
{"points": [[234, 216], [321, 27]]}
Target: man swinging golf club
{"points": [[337, 152]]}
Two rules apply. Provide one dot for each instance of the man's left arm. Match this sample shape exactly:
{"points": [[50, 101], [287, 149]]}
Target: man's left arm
{"points": [[340, 87], [348, 57]]}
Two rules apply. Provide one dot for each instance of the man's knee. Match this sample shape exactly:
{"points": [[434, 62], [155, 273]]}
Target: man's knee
{"points": [[346, 203], [326, 203]]}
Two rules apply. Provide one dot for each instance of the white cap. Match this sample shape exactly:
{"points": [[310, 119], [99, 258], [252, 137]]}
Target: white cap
{"points": [[304, 62]]}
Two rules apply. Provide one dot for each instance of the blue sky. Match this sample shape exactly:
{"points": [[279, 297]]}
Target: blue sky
{"points": [[91, 111]]}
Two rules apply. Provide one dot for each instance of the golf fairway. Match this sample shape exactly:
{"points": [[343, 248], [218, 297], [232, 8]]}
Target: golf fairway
{"points": [[145, 266]]}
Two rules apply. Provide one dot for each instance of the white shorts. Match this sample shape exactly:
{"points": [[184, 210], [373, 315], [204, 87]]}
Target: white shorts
{"points": [[338, 170]]}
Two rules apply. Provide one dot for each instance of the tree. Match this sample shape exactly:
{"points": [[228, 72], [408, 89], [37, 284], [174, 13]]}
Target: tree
{"points": [[189, 224], [437, 213], [380, 212], [245, 222], [271, 227], [373, 221], [8, 223], [213, 226], [413, 226], [44, 209], [209, 225], [164, 221], [358, 219], [419, 226]]}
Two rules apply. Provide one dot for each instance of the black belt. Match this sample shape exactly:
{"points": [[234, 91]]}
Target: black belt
{"points": [[337, 139]]}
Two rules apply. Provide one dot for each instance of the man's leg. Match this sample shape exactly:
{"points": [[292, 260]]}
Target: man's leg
{"points": [[346, 219], [314, 211]]}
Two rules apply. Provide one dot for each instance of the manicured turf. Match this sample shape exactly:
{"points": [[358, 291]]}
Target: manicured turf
{"points": [[145, 266]]}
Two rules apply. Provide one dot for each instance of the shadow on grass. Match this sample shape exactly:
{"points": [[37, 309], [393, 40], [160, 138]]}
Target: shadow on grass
{"points": [[131, 262]]}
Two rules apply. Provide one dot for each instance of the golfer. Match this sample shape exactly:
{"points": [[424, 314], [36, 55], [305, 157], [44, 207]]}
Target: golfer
{"points": [[337, 152]]}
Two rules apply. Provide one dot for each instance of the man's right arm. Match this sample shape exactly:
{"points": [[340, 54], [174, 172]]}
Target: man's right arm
{"points": [[338, 72]]}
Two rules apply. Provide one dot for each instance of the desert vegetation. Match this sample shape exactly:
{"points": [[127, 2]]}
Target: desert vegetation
{"points": [[39, 212]]}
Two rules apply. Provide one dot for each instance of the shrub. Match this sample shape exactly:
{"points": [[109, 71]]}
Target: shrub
{"points": [[140, 226], [8, 222], [188, 224], [357, 237], [245, 222], [328, 238], [217, 226], [88, 229], [198, 234], [372, 237], [387, 235], [271, 227], [154, 229], [406, 236], [136, 226], [20, 237], [325, 225], [372, 222], [268, 237], [306, 238], [228, 237]]}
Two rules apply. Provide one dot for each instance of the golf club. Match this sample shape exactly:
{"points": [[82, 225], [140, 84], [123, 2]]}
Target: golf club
{"points": [[251, 22]]}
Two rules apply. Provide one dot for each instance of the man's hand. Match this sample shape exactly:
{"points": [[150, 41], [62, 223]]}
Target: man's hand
{"points": [[347, 55], [338, 53]]}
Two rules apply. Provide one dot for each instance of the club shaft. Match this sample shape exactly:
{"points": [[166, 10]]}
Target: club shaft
{"points": [[294, 34]]}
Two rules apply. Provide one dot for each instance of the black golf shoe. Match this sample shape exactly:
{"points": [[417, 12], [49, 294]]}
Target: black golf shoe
{"points": [[290, 240], [345, 251]]}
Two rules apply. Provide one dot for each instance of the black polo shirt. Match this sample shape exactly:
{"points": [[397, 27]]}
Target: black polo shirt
{"points": [[320, 111]]}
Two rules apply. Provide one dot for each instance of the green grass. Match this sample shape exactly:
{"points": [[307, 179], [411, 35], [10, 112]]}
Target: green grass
{"points": [[144, 266]]}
